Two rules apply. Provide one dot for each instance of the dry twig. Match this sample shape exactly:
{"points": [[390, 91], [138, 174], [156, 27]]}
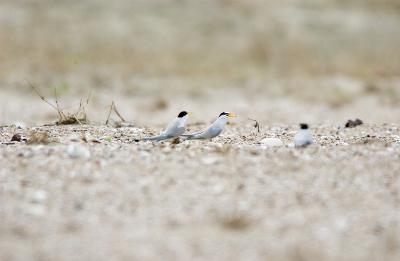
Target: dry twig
{"points": [[79, 116], [113, 107], [256, 125]]}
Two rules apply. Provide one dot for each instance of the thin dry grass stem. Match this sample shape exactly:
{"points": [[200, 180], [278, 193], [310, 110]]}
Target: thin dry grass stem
{"points": [[109, 113], [118, 114], [89, 97], [80, 123], [41, 96], [81, 113], [58, 104], [79, 117], [256, 125], [113, 108]]}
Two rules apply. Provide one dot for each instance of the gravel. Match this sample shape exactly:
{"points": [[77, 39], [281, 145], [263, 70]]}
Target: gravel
{"points": [[207, 200]]}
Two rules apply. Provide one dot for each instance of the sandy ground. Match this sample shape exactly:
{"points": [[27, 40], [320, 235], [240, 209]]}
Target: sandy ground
{"points": [[279, 62], [229, 199]]}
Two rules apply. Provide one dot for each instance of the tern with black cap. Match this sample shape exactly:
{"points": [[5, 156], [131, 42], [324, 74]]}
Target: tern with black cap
{"points": [[213, 130], [174, 129], [303, 138]]}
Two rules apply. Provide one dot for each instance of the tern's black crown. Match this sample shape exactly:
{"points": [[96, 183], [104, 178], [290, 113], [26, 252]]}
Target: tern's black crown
{"points": [[224, 113], [303, 126], [182, 114]]}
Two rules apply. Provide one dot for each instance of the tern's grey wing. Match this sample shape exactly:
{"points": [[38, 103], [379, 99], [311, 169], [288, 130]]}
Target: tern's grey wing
{"points": [[174, 129], [208, 133], [192, 134], [156, 138], [168, 134]]}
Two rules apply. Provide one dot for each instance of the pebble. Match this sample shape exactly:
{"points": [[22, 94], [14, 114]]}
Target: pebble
{"points": [[39, 196], [16, 137], [75, 138], [271, 142], [78, 151], [167, 150], [26, 154], [218, 189], [341, 224], [209, 160], [36, 210]]}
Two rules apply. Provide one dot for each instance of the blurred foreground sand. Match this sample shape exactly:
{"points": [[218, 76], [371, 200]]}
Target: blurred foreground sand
{"points": [[229, 199]]}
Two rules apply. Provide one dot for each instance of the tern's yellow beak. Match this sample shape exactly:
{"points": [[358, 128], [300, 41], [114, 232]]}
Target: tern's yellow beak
{"points": [[232, 115], [189, 113]]}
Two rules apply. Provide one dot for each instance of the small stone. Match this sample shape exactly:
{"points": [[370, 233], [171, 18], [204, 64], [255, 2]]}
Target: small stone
{"points": [[94, 140], [26, 154], [271, 142], [218, 188], [124, 124], [39, 196], [75, 138], [352, 124], [176, 141], [341, 224], [167, 150], [209, 160], [78, 151], [36, 210], [254, 151], [16, 137]]}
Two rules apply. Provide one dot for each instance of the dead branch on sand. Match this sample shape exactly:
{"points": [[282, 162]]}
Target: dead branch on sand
{"points": [[65, 118]]}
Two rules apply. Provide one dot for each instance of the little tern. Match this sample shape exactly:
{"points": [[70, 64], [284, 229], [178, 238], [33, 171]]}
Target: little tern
{"points": [[303, 138], [213, 130], [174, 129]]}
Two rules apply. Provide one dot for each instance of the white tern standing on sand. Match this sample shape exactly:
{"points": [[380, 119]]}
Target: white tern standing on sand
{"points": [[303, 138], [173, 130], [213, 130]]}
